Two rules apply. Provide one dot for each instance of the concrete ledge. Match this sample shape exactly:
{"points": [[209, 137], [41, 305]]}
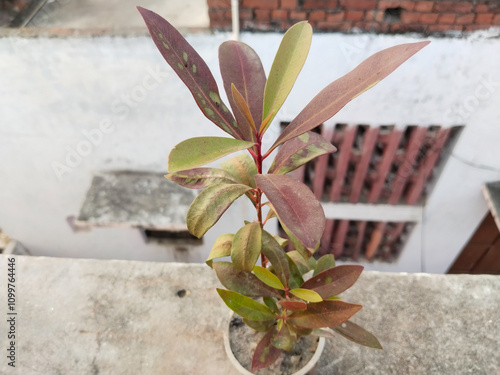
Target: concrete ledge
{"points": [[79, 316]]}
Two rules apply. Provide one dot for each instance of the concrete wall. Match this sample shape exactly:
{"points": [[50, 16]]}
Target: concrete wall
{"points": [[55, 93]]}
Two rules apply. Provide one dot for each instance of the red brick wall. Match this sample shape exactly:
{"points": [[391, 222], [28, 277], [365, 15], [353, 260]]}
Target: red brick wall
{"points": [[382, 16]]}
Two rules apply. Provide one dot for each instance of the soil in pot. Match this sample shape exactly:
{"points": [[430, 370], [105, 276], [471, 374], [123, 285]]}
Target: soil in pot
{"points": [[244, 340]]}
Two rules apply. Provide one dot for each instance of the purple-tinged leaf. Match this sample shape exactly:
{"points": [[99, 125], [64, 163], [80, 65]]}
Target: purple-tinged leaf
{"points": [[287, 64], [340, 92], [241, 66], [277, 256], [242, 107], [306, 295], [209, 206], [242, 168], [242, 282], [324, 314], [266, 353], [284, 339], [246, 247], [195, 152], [263, 326], [357, 334], [296, 206], [293, 305], [268, 278], [244, 306], [199, 178], [325, 262], [334, 281], [221, 248], [193, 71], [298, 151]]}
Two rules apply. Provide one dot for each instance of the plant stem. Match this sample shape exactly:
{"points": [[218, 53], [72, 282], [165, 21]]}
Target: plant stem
{"points": [[258, 161]]}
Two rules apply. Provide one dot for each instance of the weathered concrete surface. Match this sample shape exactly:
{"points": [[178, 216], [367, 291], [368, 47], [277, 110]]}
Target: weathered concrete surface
{"points": [[122, 317]]}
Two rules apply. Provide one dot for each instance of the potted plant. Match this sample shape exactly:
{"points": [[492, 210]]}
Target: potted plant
{"points": [[274, 297]]}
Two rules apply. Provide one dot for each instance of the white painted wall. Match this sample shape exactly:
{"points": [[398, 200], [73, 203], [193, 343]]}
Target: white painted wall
{"points": [[53, 90]]}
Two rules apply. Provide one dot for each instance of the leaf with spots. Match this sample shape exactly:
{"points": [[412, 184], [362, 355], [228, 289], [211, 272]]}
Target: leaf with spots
{"points": [[200, 178], [334, 281], [193, 71], [242, 168], [298, 151], [296, 206], [210, 204], [241, 66], [324, 314], [266, 353], [195, 152], [245, 307], [246, 246], [340, 92], [357, 334]]}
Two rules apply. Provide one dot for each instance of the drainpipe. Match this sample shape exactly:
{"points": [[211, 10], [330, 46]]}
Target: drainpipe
{"points": [[235, 16]]}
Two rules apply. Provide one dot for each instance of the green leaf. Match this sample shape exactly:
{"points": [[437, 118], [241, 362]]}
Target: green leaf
{"points": [[287, 64], [277, 256], [247, 243], [263, 326], [293, 305], [306, 294], [242, 168], [221, 248], [298, 151], [357, 334], [283, 242], [324, 314], [324, 263], [284, 340], [242, 282], [268, 277], [245, 306], [265, 353], [271, 303], [209, 206], [246, 118], [296, 206], [299, 261], [340, 92], [199, 178], [241, 66], [193, 71], [296, 279], [195, 152], [297, 245], [334, 281]]}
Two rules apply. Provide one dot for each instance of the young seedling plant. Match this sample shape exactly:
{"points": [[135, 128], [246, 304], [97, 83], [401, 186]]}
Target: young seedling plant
{"points": [[274, 297]]}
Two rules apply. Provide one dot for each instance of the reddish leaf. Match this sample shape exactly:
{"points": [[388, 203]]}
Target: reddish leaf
{"points": [[276, 255], [340, 92], [242, 108], [333, 281], [266, 353], [324, 314], [293, 305], [357, 334], [241, 66], [193, 71], [298, 151], [296, 206], [199, 178], [242, 282]]}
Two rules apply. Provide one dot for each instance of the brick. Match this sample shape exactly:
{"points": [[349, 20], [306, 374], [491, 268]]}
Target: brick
{"points": [[496, 20], [329, 25], [428, 18], [465, 19], [216, 15], [285, 25], [246, 14], [320, 4], [289, 4], [437, 28], [405, 4], [335, 17], [446, 19], [298, 15], [220, 24], [279, 14], [363, 26], [481, 8], [454, 7], [219, 3], [262, 4], [410, 17], [474, 27], [484, 18], [358, 4], [317, 15], [354, 15], [379, 16], [423, 6], [262, 14]]}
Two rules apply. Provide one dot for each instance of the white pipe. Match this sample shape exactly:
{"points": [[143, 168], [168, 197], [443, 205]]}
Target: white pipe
{"points": [[235, 16]]}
